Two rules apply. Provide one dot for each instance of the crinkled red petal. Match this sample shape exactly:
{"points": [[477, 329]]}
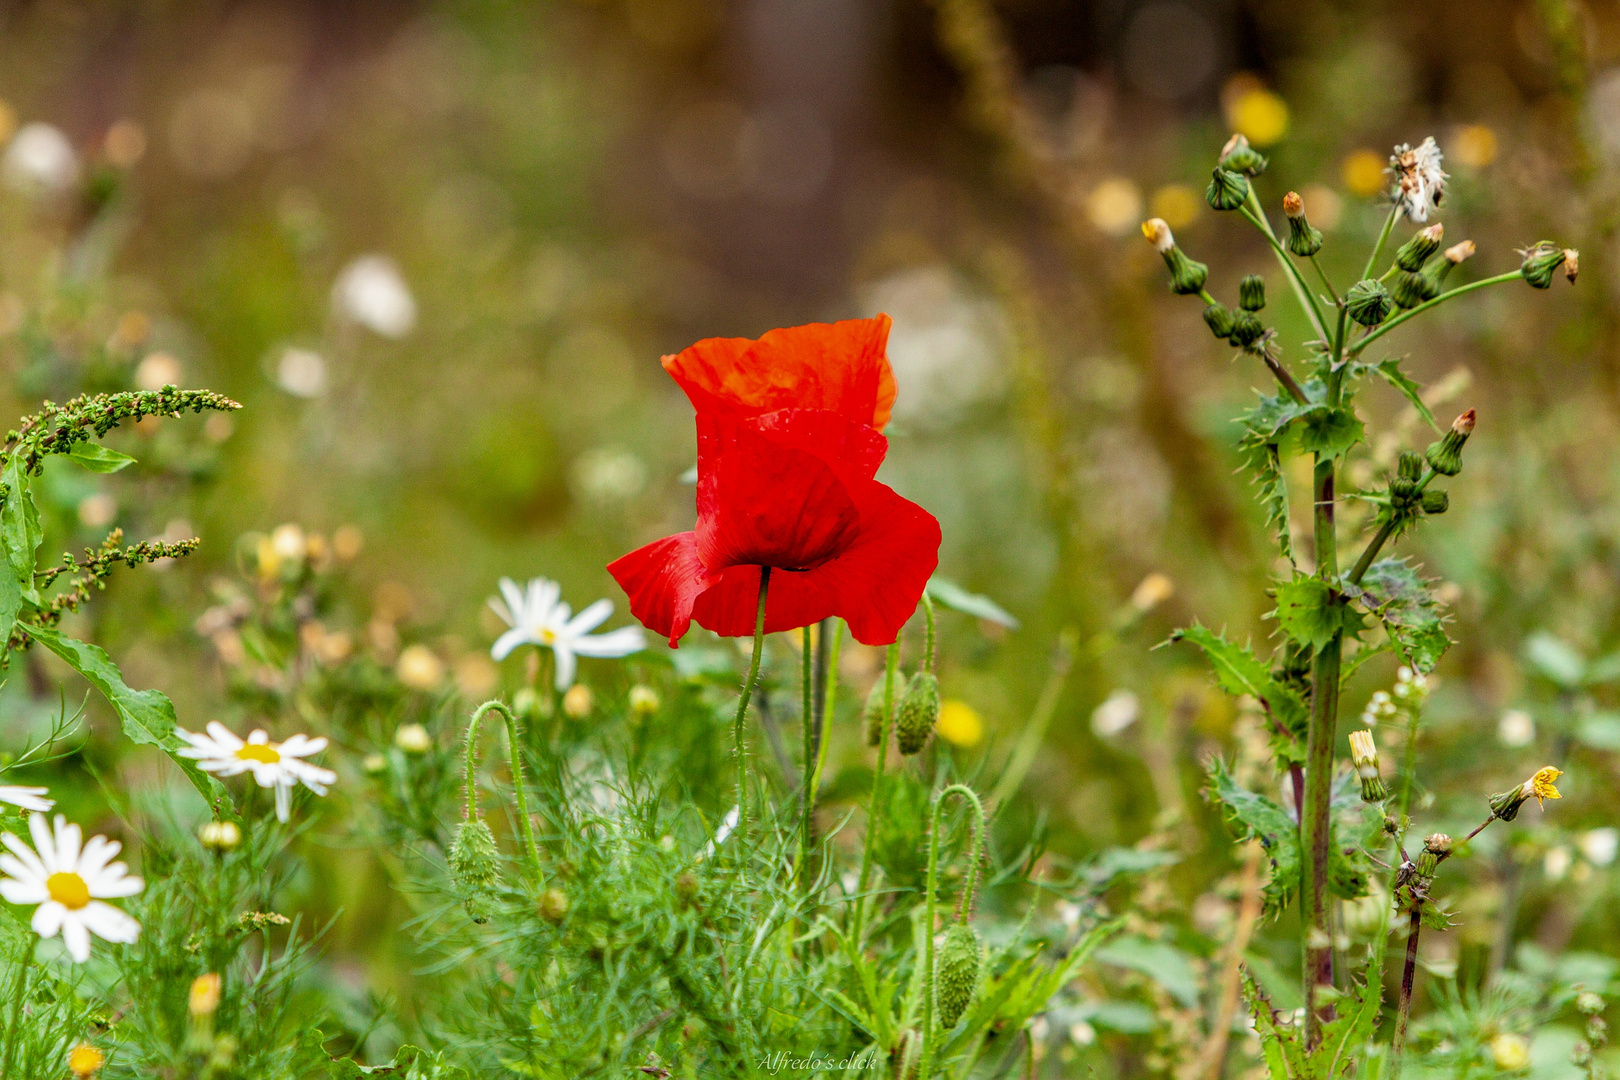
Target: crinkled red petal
{"points": [[662, 580]]}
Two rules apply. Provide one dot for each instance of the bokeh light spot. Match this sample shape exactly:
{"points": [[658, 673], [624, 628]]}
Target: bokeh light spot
{"points": [[1177, 204], [1363, 172]]}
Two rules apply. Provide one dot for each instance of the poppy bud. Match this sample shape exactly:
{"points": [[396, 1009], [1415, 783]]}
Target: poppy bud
{"points": [[1415, 252], [1542, 261], [1247, 329], [1227, 190], [1364, 756], [1434, 846], [872, 714], [473, 866], [1220, 320], [1436, 501], [1445, 456], [554, 906], [1252, 292], [959, 960], [1303, 239], [1539, 787], [1239, 157], [1186, 276], [1368, 302], [919, 709]]}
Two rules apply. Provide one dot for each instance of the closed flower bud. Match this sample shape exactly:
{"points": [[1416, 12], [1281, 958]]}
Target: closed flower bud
{"points": [[1252, 292], [1238, 156], [1220, 320], [1186, 276], [474, 866], [1247, 329], [219, 835], [1364, 756], [1580, 1055], [1539, 787], [1407, 291], [959, 959], [1445, 456], [1368, 302], [1409, 466], [1510, 1052], [1542, 261], [872, 714], [1415, 252], [1435, 847], [1431, 279], [1303, 239], [1227, 190], [919, 709], [553, 906], [1436, 502]]}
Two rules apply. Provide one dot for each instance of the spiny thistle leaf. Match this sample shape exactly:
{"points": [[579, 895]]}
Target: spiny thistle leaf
{"points": [[1239, 672], [1310, 612], [1390, 371], [1414, 619], [1255, 817]]}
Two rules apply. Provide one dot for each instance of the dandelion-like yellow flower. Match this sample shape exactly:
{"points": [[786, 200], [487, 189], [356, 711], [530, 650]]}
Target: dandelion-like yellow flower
{"points": [[204, 996], [85, 1060], [1540, 786]]}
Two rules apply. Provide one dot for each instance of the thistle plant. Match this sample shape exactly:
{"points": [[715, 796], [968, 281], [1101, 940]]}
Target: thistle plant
{"points": [[1333, 611]]}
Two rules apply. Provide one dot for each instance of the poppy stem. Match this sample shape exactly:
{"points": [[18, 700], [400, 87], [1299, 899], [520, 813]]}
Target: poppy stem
{"points": [[520, 789], [930, 989], [928, 638], [825, 687], [874, 806], [742, 704]]}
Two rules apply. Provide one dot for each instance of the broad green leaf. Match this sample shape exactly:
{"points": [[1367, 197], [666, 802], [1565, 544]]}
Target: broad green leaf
{"points": [[1329, 432], [147, 716], [1160, 961], [1393, 591], [1239, 672], [1312, 613], [98, 458], [1555, 659], [20, 532], [1126, 1017], [957, 598], [1254, 816], [1104, 869]]}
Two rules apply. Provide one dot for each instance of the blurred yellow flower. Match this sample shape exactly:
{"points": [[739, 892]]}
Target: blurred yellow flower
{"points": [[419, 669], [1363, 173], [1177, 204], [204, 996], [959, 723], [1152, 591], [1474, 145], [1324, 205], [85, 1060], [577, 701], [1510, 1051], [1114, 206], [1259, 115], [413, 738]]}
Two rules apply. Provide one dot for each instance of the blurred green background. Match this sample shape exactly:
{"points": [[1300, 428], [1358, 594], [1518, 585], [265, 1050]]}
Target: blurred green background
{"points": [[436, 251]]}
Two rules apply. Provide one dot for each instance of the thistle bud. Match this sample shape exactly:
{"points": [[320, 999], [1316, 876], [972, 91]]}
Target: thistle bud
{"points": [[1238, 156], [1368, 302], [554, 906], [1252, 292], [1220, 320], [1436, 502], [1415, 252], [1445, 456], [1435, 847], [1542, 261], [1539, 787], [1227, 190], [1409, 466], [1407, 291], [474, 867], [919, 709], [1364, 756], [1431, 279], [1247, 329], [1303, 239], [872, 714], [959, 959], [1186, 276]]}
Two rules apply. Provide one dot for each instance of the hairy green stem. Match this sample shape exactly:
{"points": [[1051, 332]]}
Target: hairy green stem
{"points": [[1307, 299], [738, 731], [1391, 324], [874, 806], [928, 636], [815, 739], [514, 751], [1383, 237], [1316, 825], [807, 680], [977, 821]]}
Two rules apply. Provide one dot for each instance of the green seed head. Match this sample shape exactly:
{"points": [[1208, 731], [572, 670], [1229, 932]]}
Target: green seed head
{"points": [[1227, 190], [1252, 293], [919, 709], [959, 961], [475, 867], [1368, 302], [1408, 290], [1220, 320], [1239, 157]]}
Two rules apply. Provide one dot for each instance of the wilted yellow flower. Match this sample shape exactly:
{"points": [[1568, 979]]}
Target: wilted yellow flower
{"points": [[1177, 204], [1259, 115], [1510, 1051], [1540, 786], [204, 996], [1363, 173], [86, 1060], [413, 739], [578, 700], [1474, 145], [959, 723], [419, 669], [1114, 205]]}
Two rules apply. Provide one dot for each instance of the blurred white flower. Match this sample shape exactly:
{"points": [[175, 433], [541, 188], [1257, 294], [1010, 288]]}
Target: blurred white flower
{"points": [[946, 346], [372, 292], [40, 160], [1082, 1033], [1115, 714], [1557, 863], [97, 510], [538, 616], [69, 881], [609, 474], [301, 372], [413, 739], [1420, 183], [29, 798], [157, 370], [272, 764], [1516, 728], [1599, 845]]}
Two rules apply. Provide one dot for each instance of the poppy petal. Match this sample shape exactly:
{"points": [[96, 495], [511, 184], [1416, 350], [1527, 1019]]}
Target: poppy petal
{"points": [[854, 450], [842, 367], [662, 579]]}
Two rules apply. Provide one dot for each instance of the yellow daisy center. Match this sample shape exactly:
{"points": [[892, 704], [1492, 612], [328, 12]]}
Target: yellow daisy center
{"points": [[68, 889], [85, 1060], [259, 752], [548, 635]]}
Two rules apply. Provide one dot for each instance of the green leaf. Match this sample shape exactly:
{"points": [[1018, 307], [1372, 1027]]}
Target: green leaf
{"points": [[147, 716], [1280, 1044], [1414, 619], [1555, 659], [1312, 613], [1256, 817], [1265, 464], [1158, 960], [1389, 370], [20, 532], [1239, 672], [957, 598], [1436, 917], [98, 458], [1329, 432]]}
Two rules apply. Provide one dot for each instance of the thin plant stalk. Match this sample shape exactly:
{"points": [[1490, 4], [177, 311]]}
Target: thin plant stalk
{"points": [[815, 738], [514, 742], [738, 731], [874, 806], [925, 1060], [1512, 275], [1257, 216], [1403, 1010], [13, 1026], [807, 678], [1383, 238]]}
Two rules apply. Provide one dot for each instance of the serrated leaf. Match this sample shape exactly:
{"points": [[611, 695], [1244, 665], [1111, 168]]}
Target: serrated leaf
{"points": [[98, 458], [1239, 672], [1256, 817], [147, 716], [1279, 1043], [1436, 917], [1312, 613], [1329, 432], [20, 532], [957, 598], [1414, 619], [1390, 371], [1264, 463]]}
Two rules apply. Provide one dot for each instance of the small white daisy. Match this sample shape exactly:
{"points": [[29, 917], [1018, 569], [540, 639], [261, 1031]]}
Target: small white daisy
{"points": [[69, 882], [1420, 183], [538, 616], [29, 798], [272, 764]]}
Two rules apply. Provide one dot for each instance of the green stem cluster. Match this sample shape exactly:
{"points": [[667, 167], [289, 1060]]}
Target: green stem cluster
{"points": [[965, 905], [514, 744]]}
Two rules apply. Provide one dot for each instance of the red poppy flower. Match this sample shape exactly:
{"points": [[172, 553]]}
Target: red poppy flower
{"points": [[842, 367], [790, 489]]}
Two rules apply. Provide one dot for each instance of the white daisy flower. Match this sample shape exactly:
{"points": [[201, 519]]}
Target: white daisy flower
{"points": [[372, 292], [538, 616], [29, 798], [69, 882], [1420, 183], [272, 764]]}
